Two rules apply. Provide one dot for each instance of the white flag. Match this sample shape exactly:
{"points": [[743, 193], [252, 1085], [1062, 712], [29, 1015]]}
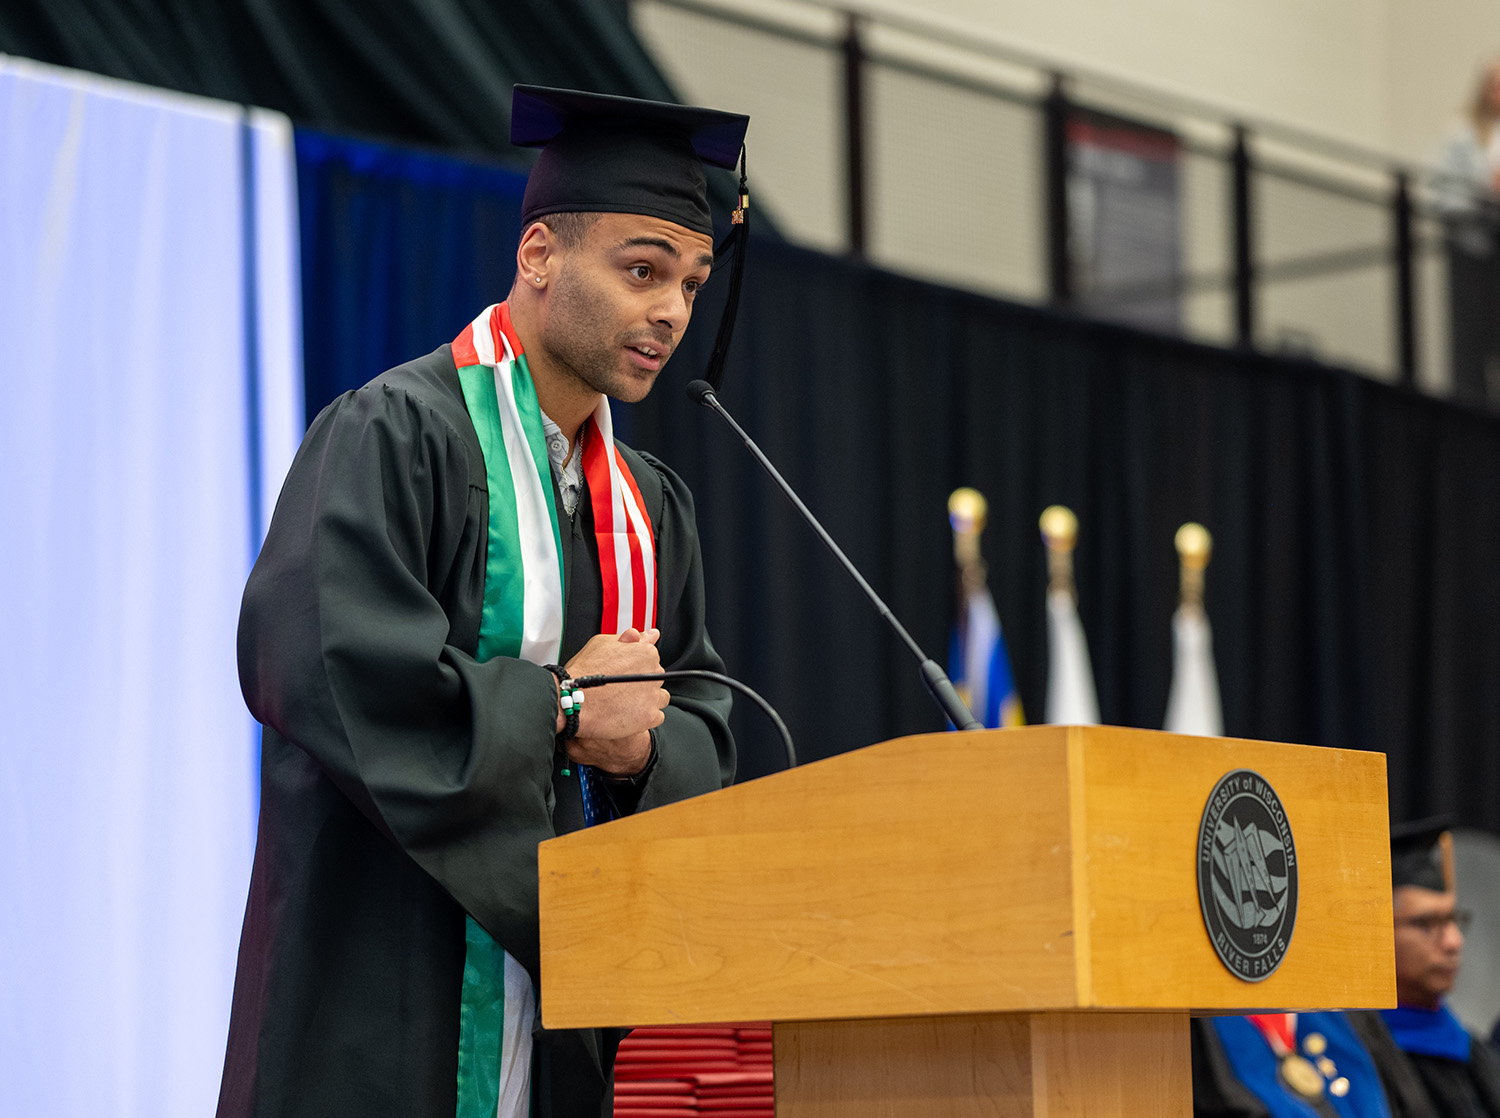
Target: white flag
{"points": [[1193, 703], [1070, 677]]}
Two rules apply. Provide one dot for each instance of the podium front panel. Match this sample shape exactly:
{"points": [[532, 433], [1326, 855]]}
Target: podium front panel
{"points": [[919, 876], [1042, 868], [1143, 797]]}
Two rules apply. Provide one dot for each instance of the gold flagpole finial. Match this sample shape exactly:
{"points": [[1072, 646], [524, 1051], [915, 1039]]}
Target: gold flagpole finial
{"points": [[1194, 549], [1060, 533], [1059, 528], [967, 514], [1194, 545], [967, 510]]}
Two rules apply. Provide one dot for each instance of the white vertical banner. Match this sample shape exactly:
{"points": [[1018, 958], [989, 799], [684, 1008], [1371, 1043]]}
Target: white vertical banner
{"points": [[146, 387], [1193, 702], [277, 271], [1071, 699]]}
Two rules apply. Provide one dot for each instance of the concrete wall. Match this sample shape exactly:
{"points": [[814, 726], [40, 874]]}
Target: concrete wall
{"points": [[1313, 63], [954, 175], [1436, 50]]}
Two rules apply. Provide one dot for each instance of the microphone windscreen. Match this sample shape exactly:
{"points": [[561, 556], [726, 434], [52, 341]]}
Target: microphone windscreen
{"points": [[699, 391]]}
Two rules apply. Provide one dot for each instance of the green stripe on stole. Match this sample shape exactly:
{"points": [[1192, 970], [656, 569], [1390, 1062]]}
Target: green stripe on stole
{"points": [[482, 1000], [504, 577], [481, 1023]]}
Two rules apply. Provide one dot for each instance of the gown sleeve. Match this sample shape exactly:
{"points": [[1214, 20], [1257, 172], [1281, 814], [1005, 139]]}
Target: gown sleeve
{"points": [[1484, 1066], [346, 650], [1404, 1092]]}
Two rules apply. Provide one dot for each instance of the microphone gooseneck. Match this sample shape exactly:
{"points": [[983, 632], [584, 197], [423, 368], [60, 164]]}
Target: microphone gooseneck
{"points": [[716, 677], [938, 685]]}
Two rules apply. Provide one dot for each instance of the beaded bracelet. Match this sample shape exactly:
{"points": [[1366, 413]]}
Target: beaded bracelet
{"points": [[569, 701]]}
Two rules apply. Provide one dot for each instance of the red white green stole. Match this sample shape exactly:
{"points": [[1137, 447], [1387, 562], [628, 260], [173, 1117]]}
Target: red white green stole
{"points": [[523, 617]]}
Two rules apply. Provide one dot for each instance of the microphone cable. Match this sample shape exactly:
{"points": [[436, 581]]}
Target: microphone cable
{"points": [[715, 677]]}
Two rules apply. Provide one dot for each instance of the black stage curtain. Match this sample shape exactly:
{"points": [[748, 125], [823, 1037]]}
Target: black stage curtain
{"points": [[1357, 530], [1353, 589]]}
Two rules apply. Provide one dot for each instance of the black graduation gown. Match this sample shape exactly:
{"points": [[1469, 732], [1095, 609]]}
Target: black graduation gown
{"points": [[403, 783], [1421, 1086]]}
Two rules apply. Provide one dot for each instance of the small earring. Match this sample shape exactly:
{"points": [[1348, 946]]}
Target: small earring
{"points": [[538, 279]]}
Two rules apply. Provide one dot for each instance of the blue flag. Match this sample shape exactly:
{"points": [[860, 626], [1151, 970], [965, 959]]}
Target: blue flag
{"points": [[979, 665]]}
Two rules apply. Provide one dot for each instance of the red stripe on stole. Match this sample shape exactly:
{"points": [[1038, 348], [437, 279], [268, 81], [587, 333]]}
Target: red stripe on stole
{"points": [[638, 554], [500, 324], [464, 353], [596, 470]]}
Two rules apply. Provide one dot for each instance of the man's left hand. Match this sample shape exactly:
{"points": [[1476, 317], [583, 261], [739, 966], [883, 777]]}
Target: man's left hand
{"points": [[613, 756]]}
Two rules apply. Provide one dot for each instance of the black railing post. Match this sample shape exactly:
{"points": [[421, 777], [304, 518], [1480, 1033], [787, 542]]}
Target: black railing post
{"points": [[854, 126], [1406, 280], [1244, 241], [1055, 188]]}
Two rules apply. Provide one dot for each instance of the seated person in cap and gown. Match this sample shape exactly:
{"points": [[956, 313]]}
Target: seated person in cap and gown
{"points": [[455, 542], [1283, 1065], [1430, 1064]]}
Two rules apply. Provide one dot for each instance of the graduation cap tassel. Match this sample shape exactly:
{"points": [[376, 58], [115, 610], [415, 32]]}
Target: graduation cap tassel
{"points": [[737, 240]]}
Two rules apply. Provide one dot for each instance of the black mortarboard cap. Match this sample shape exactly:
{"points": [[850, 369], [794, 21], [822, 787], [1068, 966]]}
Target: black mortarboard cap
{"points": [[1416, 854], [607, 154]]}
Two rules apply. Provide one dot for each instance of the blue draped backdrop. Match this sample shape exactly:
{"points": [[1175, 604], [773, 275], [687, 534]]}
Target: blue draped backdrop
{"points": [[400, 248]]}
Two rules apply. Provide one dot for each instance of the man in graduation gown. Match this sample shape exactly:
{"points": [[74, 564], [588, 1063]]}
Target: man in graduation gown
{"points": [[455, 543], [1430, 1063]]}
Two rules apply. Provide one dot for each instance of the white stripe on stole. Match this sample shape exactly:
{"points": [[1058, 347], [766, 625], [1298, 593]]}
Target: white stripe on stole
{"points": [[624, 496], [541, 624], [625, 575], [541, 579], [643, 533], [484, 338], [515, 1042]]}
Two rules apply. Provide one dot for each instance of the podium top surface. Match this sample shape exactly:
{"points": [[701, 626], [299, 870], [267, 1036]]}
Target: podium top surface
{"points": [[1040, 868]]}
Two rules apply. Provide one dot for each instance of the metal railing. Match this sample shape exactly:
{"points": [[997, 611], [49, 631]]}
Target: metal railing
{"points": [[1290, 241]]}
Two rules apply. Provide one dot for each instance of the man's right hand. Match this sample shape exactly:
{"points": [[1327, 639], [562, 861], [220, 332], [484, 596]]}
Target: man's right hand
{"points": [[619, 710]]}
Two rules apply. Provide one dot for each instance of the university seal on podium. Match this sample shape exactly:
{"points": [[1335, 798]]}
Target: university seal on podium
{"points": [[1247, 875]]}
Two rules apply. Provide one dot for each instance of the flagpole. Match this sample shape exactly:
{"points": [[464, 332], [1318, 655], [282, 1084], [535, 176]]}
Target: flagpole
{"points": [[1193, 704], [1071, 697], [1060, 533], [1194, 549], [968, 512]]}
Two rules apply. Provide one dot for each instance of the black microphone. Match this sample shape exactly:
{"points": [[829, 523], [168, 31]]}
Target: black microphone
{"points": [[701, 673], [939, 686]]}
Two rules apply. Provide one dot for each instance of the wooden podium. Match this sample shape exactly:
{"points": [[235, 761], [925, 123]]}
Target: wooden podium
{"points": [[995, 923]]}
